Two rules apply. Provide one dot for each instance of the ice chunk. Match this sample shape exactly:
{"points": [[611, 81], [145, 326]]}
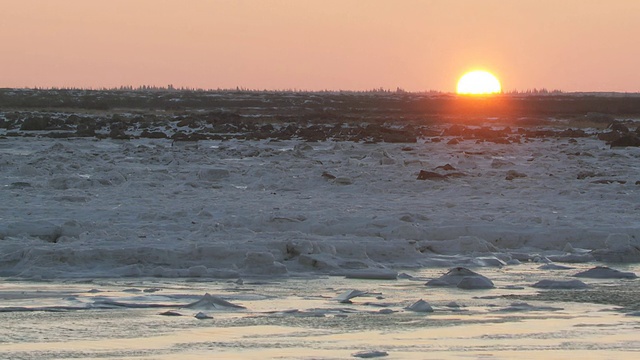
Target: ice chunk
{"points": [[210, 302], [420, 306], [346, 296], [202, 316]]}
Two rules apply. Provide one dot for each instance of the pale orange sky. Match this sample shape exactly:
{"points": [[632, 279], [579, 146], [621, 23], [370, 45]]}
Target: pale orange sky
{"points": [[572, 45]]}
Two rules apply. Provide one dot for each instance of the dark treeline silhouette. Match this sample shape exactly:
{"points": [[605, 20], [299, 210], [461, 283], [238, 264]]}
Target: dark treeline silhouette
{"points": [[376, 103]]}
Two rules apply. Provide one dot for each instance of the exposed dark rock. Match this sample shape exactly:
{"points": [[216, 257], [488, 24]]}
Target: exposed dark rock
{"points": [[73, 119], [312, 133], [499, 141], [430, 175], [512, 174], [626, 140], [60, 135], [86, 129], [609, 136], [446, 167], [328, 176], [586, 174], [180, 136], [456, 175], [454, 130], [599, 118], [118, 130], [189, 122], [453, 142], [389, 135], [577, 133], [34, 124], [153, 134], [618, 126], [488, 134], [119, 134]]}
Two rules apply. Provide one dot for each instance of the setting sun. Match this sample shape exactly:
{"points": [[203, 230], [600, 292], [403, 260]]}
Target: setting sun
{"points": [[477, 83]]}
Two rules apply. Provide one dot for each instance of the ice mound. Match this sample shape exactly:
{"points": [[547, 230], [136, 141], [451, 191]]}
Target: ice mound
{"points": [[462, 278], [210, 302], [560, 284], [420, 306], [603, 272]]}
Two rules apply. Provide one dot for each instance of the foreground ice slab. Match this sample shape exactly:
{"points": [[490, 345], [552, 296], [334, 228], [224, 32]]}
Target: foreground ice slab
{"points": [[286, 318], [230, 209]]}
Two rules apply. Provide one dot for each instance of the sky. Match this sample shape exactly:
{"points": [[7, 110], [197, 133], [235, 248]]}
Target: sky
{"points": [[569, 45]]}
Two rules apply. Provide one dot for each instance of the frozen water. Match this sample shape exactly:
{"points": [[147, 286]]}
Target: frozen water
{"points": [[110, 234], [300, 317]]}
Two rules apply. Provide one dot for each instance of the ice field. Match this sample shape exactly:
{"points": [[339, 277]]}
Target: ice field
{"points": [[99, 238]]}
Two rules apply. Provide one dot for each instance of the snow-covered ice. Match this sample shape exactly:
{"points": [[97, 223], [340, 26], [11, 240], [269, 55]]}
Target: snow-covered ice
{"points": [[109, 208], [113, 233]]}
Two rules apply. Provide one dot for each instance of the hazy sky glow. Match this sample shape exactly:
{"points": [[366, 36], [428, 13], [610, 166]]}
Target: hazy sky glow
{"points": [[572, 45]]}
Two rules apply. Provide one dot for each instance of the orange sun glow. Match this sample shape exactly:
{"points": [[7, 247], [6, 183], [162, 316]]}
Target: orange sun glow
{"points": [[478, 83]]}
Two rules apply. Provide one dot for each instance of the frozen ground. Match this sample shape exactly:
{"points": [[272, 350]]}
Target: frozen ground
{"points": [[278, 226]]}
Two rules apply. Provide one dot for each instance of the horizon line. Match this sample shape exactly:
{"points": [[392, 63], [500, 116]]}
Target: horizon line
{"points": [[380, 90]]}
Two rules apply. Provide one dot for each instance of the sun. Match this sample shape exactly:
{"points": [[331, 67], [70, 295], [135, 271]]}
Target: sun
{"points": [[478, 82]]}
